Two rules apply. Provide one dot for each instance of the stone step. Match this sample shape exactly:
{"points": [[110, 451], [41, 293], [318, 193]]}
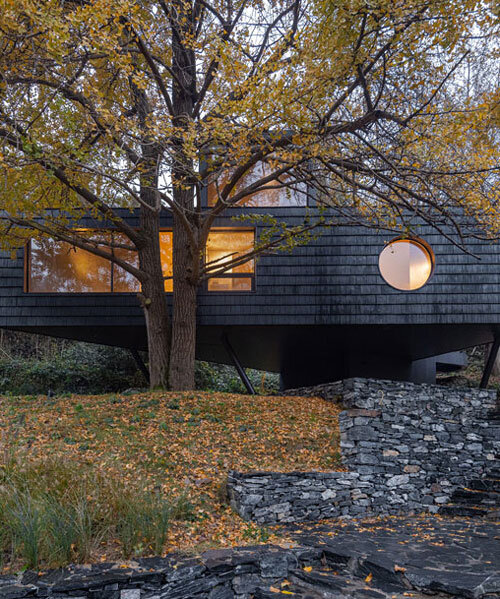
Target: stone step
{"points": [[477, 497], [484, 484], [453, 509]]}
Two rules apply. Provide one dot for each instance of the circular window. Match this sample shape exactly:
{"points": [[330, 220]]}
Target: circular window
{"points": [[406, 264]]}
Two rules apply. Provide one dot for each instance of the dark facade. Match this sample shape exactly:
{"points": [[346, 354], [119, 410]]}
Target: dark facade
{"points": [[320, 313]]}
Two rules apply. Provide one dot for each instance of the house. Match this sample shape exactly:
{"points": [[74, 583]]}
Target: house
{"points": [[353, 302]]}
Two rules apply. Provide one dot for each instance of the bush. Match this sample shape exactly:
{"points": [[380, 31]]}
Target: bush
{"points": [[223, 378], [62, 366], [100, 369], [81, 368]]}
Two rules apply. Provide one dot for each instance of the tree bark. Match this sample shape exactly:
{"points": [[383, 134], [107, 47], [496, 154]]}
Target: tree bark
{"points": [[182, 360], [185, 241], [153, 301]]}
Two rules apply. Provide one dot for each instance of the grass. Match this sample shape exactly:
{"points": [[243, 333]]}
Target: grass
{"points": [[87, 478]]}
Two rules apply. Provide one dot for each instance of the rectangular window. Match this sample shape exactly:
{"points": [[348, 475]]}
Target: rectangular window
{"points": [[58, 267], [275, 194], [166, 258], [224, 246]]}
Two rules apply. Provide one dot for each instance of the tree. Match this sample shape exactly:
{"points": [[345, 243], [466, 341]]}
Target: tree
{"points": [[375, 108]]}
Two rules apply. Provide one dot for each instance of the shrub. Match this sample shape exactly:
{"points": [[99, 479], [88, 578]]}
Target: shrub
{"points": [[99, 369], [82, 368], [223, 378]]}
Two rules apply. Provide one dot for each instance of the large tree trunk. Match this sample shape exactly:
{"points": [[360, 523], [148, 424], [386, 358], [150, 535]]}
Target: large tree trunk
{"points": [[182, 360], [152, 296], [185, 258], [154, 303]]}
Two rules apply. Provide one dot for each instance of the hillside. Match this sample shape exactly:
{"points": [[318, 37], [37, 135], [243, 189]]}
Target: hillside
{"points": [[129, 454]]}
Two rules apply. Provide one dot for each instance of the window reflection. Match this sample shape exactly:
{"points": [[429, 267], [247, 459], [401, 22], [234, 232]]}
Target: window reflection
{"points": [[230, 284], [296, 195], [123, 281], [58, 267], [223, 246]]}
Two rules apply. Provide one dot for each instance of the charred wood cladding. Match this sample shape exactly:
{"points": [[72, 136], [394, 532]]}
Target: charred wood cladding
{"points": [[319, 313]]}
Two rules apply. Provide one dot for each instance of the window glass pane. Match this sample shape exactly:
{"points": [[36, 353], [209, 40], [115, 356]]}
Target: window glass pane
{"points": [[405, 264], [230, 284], [226, 245], [58, 267], [166, 258], [123, 281], [270, 198]]}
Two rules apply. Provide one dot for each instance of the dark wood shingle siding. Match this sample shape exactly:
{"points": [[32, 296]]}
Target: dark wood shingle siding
{"points": [[332, 280]]}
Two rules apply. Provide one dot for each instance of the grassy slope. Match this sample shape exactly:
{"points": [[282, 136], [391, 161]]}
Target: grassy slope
{"points": [[175, 444]]}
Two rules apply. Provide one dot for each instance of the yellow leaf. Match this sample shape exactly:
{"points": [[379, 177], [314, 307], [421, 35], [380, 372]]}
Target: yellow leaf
{"points": [[307, 568], [399, 568], [369, 577]]}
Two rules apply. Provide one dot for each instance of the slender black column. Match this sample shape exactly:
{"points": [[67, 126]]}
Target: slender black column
{"points": [[237, 364], [140, 363], [490, 362]]}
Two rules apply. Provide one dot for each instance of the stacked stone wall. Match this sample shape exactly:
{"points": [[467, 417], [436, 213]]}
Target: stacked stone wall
{"points": [[217, 574], [406, 448]]}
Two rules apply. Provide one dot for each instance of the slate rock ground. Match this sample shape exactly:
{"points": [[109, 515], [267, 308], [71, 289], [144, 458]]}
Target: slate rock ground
{"points": [[390, 558], [403, 557]]}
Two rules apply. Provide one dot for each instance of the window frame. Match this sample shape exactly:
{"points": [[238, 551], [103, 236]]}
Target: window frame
{"points": [[204, 286], [240, 275], [425, 246]]}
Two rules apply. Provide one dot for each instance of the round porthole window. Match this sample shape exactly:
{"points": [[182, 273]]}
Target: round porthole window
{"points": [[406, 264]]}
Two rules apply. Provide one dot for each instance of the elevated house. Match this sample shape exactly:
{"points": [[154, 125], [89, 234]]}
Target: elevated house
{"points": [[353, 302]]}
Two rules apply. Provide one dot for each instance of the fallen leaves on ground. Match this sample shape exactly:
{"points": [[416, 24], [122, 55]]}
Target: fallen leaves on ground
{"points": [[179, 443]]}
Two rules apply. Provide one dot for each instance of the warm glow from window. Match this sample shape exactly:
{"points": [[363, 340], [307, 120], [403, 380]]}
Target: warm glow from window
{"points": [[166, 258], [224, 246], [296, 195], [58, 267], [406, 264], [123, 281]]}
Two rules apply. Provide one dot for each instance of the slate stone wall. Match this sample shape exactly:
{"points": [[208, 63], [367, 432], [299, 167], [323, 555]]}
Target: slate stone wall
{"points": [[218, 574], [406, 448]]}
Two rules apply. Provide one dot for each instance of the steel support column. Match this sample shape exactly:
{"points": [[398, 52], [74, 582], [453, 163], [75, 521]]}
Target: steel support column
{"points": [[140, 363], [237, 364], [490, 362]]}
